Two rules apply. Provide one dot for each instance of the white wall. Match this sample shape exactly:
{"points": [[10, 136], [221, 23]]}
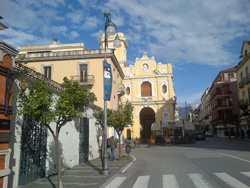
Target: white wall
{"points": [[68, 138]]}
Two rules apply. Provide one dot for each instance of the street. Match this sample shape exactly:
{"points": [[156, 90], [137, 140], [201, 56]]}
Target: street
{"points": [[215, 163]]}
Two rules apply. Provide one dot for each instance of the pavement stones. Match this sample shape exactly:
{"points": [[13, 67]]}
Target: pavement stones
{"points": [[86, 175]]}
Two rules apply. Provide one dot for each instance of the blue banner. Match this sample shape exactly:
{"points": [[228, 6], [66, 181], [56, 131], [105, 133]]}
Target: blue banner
{"points": [[107, 81]]}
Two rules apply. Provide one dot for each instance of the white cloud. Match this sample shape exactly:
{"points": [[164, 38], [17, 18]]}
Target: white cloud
{"points": [[90, 23], [194, 31], [98, 34], [19, 38], [75, 17], [74, 34]]}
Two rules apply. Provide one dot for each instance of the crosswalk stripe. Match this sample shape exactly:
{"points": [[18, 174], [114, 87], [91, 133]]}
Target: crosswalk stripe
{"points": [[141, 182], [246, 174], [169, 181], [199, 181], [232, 182], [115, 183]]}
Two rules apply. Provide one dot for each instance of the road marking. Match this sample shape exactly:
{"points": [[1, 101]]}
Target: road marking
{"points": [[141, 182], [235, 157], [246, 174], [115, 183], [232, 182], [169, 181], [124, 170], [199, 181]]}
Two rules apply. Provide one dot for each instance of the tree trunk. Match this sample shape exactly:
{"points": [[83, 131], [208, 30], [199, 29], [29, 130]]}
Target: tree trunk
{"points": [[59, 162], [120, 149]]}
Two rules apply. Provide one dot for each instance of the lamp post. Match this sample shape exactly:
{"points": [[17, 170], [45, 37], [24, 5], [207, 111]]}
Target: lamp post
{"points": [[110, 30]]}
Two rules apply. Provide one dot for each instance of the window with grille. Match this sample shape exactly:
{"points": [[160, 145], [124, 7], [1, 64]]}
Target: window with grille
{"points": [[146, 89], [47, 72]]}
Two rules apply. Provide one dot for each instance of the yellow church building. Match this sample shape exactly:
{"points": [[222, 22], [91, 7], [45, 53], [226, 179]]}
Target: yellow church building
{"points": [[149, 87]]}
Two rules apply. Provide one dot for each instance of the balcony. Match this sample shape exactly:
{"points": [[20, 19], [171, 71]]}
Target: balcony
{"points": [[120, 89], [219, 95], [241, 84], [222, 107], [86, 80], [246, 80]]}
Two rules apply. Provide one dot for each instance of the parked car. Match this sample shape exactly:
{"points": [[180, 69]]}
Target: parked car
{"points": [[209, 133], [200, 136]]}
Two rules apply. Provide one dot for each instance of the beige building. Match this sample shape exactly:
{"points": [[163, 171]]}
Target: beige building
{"points": [[76, 62]]}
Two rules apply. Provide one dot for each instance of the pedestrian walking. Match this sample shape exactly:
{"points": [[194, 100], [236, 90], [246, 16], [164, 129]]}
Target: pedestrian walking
{"points": [[242, 134], [113, 145], [108, 147], [248, 133]]}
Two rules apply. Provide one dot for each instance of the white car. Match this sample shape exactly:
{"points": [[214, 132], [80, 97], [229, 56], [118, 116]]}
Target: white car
{"points": [[209, 133]]}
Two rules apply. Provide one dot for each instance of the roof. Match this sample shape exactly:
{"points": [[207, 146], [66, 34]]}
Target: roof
{"points": [[245, 41]]}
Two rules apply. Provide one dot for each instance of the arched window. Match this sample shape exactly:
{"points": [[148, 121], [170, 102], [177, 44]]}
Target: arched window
{"points": [[146, 89]]}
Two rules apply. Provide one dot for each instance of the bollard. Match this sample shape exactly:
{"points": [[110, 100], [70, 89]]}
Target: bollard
{"points": [[128, 149]]}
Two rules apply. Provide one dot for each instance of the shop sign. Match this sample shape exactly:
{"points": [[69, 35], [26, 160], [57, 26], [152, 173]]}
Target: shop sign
{"points": [[4, 124]]}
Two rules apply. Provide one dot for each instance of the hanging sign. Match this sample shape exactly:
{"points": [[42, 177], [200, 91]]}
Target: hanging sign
{"points": [[107, 80]]}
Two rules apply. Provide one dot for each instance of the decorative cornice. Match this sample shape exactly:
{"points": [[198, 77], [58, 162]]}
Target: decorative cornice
{"points": [[70, 55], [153, 76], [152, 102], [8, 49]]}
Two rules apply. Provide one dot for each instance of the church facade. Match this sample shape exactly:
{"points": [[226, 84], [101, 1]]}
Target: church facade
{"points": [[149, 87]]}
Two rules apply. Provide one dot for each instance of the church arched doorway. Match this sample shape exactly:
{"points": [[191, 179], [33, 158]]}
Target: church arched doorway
{"points": [[147, 118]]}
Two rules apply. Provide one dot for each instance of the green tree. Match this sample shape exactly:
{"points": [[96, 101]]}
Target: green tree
{"points": [[119, 119], [42, 105]]}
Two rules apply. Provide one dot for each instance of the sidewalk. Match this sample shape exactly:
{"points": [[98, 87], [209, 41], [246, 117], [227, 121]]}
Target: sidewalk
{"points": [[246, 139], [86, 175]]}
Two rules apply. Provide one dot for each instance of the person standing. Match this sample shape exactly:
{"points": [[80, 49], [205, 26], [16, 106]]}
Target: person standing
{"points": [[113, 145], [242, 134]]}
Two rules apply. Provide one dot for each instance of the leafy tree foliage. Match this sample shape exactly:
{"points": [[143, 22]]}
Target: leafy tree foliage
{"points": [[42, 105], [119, 119]]}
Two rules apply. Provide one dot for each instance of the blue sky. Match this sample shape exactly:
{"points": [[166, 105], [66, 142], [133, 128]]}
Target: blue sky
{"points": [[199, 38]]}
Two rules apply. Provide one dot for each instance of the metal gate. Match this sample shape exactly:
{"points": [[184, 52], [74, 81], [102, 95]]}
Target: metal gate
{"points": [[84, 141], [33, 151]]}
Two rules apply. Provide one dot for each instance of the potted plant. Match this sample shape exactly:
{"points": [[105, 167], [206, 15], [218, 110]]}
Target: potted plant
{"points": [[167, 139], [137, 141], [151, 140]]}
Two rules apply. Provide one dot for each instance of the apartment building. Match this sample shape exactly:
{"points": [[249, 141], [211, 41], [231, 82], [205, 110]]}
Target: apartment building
{"points": [[242, 72], [205, 111], [224, 98]]}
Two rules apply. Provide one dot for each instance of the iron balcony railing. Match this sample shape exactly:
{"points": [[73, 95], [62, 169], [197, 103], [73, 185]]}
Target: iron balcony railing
{"points": [[30, 72], [60, 54], [86, 80]]}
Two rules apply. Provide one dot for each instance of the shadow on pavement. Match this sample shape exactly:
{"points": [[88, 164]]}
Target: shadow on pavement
{"points": [[216, 143], [94, 167]]}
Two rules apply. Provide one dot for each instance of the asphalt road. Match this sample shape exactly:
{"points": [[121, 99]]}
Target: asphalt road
{"points": [[215, 163]]}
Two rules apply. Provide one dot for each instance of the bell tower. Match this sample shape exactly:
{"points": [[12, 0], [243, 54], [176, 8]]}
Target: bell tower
{"points": [[120, 53]]}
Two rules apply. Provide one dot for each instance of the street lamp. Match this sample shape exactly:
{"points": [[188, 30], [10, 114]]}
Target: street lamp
{"points": [[110, 30]]}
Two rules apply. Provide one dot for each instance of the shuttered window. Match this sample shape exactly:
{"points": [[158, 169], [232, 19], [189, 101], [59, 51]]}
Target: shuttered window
{"points": [[146, 89]]}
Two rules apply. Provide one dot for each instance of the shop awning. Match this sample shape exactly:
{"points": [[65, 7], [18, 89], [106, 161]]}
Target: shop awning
{"points": [[157, 126]]}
